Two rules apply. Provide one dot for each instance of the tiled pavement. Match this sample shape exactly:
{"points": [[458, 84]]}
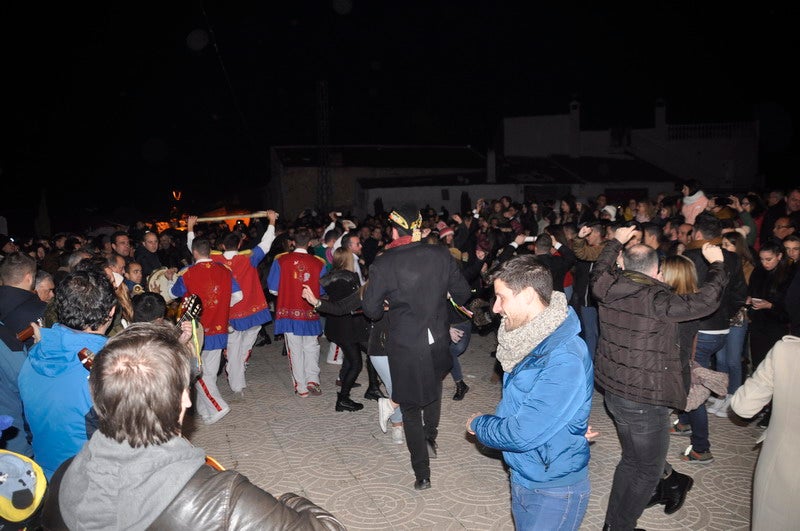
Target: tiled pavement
{"points": [[344, 463]]}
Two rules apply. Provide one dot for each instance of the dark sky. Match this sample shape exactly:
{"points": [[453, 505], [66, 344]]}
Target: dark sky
{"points": [[120, 102]]}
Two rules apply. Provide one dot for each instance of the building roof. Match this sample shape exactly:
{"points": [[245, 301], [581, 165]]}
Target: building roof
{"points": [[448, 179], [383, 156]]}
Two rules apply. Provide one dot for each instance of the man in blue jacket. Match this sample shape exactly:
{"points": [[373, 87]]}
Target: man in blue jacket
{"points": [[543, 416]]}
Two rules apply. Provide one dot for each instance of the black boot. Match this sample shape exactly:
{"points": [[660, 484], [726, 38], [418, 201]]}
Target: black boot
{"points": [[263, 338], [607, 527], [673, 491], [461, 390], [374, 393], [343, 403]]}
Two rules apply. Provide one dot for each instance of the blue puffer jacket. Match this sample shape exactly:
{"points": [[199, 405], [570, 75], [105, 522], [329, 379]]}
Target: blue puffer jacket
{"points": [[541, 420], [54, 387]]}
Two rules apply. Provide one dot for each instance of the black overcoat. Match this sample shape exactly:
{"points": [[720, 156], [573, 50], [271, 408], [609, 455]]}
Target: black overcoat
{"points": [[414, 280]]}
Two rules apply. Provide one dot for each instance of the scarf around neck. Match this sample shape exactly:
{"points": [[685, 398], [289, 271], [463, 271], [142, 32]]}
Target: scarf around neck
{"points": [[689, 199], [514, 345]]}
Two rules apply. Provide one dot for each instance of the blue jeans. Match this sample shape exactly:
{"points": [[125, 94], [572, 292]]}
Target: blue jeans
{"points": [[381, 364], [707, 346], [554, 508], [643, 431], [729, 357], [457, 349]]}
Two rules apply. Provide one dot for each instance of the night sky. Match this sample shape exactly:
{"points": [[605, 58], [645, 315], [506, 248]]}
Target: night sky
{"points": [[121, 102]]}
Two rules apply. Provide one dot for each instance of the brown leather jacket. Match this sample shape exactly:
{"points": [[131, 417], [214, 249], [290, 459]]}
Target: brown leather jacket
{"points": [[639, 355], [215, 499]]}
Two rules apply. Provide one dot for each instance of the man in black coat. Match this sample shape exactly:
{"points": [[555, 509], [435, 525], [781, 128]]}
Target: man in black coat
{"points": [[414, 279]]}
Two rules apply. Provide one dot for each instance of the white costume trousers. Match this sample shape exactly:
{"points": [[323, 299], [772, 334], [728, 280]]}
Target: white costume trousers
{"points": [[303, 354], [209, 401], [240, 343]]}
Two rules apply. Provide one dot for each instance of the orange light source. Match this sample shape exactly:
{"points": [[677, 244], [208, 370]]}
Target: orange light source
{"points": [[177, 194]]}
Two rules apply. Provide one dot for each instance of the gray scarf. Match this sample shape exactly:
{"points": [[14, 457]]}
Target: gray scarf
{"points": [[514, 345]]}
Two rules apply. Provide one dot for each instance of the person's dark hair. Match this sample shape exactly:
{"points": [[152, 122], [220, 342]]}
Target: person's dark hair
{"points": [[301, 238], [693, 185], [137, 383], [116, 234], [15, 266], [640, 258], [740, 242], [230, 242], [348, 237], [544, 243], [84, 299], [148, 306], [652, 229], [757, 206], [709, 225], [331, 235], [525, 271], [557, 231], [202, 246], [793, 237]]}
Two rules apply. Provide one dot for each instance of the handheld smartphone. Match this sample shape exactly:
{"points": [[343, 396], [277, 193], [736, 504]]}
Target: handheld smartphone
{"points": [[530, 239]]}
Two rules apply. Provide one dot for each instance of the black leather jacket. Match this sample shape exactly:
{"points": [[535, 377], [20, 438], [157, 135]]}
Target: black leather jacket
{"points": [[214, 499]]}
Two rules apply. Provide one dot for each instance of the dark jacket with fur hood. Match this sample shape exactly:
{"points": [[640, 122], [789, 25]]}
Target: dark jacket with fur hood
{"points": [[639, 356]]}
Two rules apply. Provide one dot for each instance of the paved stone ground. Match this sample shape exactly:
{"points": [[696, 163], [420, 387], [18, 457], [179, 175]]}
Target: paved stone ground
{"points": [[343, 462]]}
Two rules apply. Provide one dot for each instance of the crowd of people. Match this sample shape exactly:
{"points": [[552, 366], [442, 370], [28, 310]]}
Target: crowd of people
{"points": [[583, 296]]}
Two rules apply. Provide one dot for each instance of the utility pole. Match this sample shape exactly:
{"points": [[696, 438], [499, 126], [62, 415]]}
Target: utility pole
{"points": [[324, 189]]}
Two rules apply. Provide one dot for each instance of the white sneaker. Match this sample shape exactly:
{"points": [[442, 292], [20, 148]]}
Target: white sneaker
{"points": [[712, 404], [398, 437], [724, 406], [385, 411], [216, 416]]}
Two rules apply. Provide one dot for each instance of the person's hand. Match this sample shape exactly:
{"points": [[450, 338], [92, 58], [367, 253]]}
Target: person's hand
{"points": [[332, 215], [624, 234], [308, 295], [735, 203], [469, 422], [711, 252], [584, 231], [170, 273], [272, 216], [37, 332], [457, 219], [519, 239], [186, 331], [590, 434], [761, 304], [456, 334], [425, 232], [190, 223]]}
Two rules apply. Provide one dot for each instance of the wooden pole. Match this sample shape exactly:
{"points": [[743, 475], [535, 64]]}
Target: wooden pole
{"points": [[259, 214]]}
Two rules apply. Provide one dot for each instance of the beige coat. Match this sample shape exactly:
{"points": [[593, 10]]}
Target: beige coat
{"points": [[776, 486]]}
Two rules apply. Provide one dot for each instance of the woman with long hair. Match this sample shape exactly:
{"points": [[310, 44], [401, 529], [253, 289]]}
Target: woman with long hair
{"points": [[376, 349], [769, 320], [729, 358], [350, 332]]}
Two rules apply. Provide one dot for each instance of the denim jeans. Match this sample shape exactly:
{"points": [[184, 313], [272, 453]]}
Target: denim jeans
{"points": [[559, 508], [707, 346], [643, 431], [458, 348], [729, 357]]}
